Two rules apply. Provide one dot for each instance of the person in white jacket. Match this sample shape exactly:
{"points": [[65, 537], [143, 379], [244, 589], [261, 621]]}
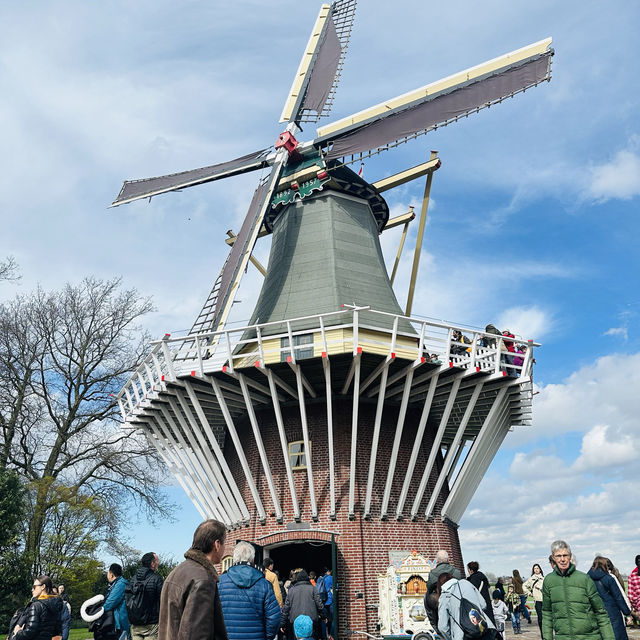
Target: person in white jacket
{"points": [[451, 593], [500, 611], [533, 586]]}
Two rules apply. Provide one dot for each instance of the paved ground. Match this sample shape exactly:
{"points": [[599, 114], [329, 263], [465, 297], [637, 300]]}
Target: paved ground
{"points": [[532, 632]]}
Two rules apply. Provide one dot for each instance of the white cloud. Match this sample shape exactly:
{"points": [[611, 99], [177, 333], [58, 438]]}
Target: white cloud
{"points": [[606, 446], [528, 322], [618, 178], [618, 331], [557, 492], [601, 393]]}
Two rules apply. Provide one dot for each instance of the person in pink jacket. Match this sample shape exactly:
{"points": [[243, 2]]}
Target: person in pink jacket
{"points": [[634, 586]]}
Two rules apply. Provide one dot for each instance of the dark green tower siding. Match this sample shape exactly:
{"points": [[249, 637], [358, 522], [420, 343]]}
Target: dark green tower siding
{"points": [[325, 252]]}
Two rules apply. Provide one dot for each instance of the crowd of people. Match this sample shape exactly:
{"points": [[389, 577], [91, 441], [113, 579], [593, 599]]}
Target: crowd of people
{"points": [[248, 602], [512, 355], [569, 604]]}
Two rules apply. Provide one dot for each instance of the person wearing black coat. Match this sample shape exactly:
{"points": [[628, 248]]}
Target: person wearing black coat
{"points": [[500, 588], [611, 596], [42, 617], [481, 583], [302, 598]]}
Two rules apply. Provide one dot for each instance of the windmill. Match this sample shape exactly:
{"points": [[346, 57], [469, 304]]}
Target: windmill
{"points": [[348, 140], [334, 417]]}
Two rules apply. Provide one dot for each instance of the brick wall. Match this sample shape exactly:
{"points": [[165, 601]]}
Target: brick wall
{"points": [[363, 545]]}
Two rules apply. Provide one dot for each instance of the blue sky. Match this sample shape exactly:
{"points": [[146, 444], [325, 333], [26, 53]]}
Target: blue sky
{"points": [[534, 222]]}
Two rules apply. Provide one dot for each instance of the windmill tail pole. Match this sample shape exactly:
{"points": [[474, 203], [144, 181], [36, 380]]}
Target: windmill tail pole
{"points": [[421, 227]]}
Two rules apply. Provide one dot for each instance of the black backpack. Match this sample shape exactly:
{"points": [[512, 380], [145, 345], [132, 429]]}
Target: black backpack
{"points": [[134, 598], [473, 620]]}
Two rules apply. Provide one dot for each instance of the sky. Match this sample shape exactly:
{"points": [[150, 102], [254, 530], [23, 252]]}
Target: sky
{"points": [[533, 224]]}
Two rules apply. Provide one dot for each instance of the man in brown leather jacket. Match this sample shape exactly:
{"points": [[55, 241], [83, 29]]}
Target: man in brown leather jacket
{"points": [[190, 606]]}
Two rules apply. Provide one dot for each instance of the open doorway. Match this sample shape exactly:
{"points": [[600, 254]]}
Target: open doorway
{"points": [[300, 554]]}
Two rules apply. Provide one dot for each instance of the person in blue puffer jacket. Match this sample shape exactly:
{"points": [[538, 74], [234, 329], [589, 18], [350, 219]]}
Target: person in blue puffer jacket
{"points": [[114, 600], [249, 605]]}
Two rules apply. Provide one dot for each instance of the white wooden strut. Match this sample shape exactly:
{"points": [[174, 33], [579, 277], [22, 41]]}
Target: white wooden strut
{"points": [[183, 462], [261, 450], [376, 436], [262, 514], [448, 461], [426, 408], [202, 451], [435, 447], [211, 471], [283, 441], [179, 473], [396, 444]]}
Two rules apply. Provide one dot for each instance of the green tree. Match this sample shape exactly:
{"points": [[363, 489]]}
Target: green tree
{"points": [[14, 573]]}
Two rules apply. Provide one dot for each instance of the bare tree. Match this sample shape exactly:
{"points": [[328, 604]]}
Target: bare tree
{"points": [[63, 357], [9, 269]]}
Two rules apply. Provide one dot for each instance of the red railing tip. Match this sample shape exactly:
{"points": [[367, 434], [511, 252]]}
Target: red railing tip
{"points": [[504, 374], [167, 335], [224, 368], [324, 354], [450, 364], [359, 350], [193, 374], [258, 363], [393, 355], [423, 359], [478, 369], [288, 358]]}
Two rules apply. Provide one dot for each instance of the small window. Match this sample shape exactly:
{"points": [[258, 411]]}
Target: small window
{"points": [[227, 561], [301, 354], [297, 455]]}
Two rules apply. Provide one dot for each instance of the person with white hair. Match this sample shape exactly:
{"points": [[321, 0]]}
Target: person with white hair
{"points": [[571, 606], [442, 567], [249, 605]]}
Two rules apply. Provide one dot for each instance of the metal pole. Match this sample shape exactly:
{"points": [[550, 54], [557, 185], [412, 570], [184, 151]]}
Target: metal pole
{"points": [[421, 226], [402, 239]]}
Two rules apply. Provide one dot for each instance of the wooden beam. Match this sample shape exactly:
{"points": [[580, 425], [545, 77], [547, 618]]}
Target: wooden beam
{"points": [[407, 175]]}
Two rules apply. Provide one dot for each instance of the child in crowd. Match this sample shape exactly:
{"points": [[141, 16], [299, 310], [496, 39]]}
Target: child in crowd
{"points": [[303, 627], [512, 600], [500, 611]]}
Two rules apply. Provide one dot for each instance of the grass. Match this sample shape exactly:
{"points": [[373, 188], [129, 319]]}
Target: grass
{"points": [[74, 634]]}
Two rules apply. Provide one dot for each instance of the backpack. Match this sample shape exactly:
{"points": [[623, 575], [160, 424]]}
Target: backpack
{"points": [[135, 602], [473, 620], [321, 588]]}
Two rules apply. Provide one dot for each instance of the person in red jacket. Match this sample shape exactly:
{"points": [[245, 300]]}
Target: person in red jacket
{"points": [[634, 587]]}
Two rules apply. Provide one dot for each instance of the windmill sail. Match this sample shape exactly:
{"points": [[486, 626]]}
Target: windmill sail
{"points": [[437, 104], [137, 189], [315, 83], [218, 304]]}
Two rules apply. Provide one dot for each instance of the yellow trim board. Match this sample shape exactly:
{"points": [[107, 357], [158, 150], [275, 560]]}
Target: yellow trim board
{"points": [[305, 62], [407, 175], [449, 82]]}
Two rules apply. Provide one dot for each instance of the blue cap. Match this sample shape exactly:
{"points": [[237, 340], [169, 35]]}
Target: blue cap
{"points": [[303, 626]]}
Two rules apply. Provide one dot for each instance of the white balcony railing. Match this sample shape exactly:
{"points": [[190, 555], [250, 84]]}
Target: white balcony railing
{"points": [[341, 331]]}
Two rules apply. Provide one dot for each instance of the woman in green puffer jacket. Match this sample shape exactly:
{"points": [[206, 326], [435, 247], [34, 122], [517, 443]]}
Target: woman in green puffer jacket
{"points": [[571, 606]]}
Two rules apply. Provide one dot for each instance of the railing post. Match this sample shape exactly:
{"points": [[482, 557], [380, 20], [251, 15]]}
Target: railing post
{"points": [[447, 355], [229, 352], [260, 347], [355, 332], [291, 349], [168, 359], [498, 354]]}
